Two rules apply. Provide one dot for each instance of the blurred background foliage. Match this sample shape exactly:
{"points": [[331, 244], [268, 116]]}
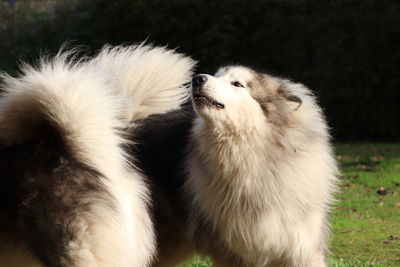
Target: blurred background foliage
{"points": [[347, 51]]}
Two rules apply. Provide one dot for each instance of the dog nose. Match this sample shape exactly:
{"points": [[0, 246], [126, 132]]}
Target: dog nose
{"points": [[199, 80]]}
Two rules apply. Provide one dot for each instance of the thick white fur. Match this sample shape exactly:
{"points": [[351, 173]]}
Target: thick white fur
{"points": [[90, 102], [151, 79], [266, 190]]}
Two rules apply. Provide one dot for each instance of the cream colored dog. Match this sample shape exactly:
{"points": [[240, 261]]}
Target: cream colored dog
{"points": [[257, 178]]}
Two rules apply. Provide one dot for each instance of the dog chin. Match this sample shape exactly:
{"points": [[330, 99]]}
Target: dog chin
{"points": [[205, 101]]}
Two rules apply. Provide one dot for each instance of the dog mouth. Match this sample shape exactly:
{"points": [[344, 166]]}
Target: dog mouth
{"points": [[202, 100]]}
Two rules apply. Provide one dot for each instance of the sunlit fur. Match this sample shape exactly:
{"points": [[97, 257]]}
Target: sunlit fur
{"points": [[261, 172], [90, 102]]}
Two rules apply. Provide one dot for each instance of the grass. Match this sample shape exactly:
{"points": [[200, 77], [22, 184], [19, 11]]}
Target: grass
{"points": [[365, 224]]}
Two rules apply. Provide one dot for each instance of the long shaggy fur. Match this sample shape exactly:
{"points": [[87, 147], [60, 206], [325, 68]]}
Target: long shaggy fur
{"points": [[152, 80], [261, 171], [250, 175], [86, 105]]}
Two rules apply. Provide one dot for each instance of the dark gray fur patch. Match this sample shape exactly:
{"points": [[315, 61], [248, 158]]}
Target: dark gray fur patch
{"points": [[161, 145], [45, 193]]}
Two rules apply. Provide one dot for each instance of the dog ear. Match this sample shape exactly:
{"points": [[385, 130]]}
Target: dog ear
{"points": [[294, 102]]}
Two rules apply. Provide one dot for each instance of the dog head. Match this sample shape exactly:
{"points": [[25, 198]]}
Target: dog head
{"points": [[240, 97]]}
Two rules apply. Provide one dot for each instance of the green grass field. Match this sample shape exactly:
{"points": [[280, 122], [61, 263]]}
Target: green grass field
{"points": [[365, 224]]}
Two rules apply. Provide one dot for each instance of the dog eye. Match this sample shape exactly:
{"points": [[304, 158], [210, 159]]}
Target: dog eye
{"points": [[237, 84]]}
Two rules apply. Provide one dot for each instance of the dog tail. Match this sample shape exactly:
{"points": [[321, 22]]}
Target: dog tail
{"points": [[154, 80], [68, 98], [86, 105]]}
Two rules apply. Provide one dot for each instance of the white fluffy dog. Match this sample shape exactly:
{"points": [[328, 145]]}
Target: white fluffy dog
{"points": [[69, 194], [257, 176]]}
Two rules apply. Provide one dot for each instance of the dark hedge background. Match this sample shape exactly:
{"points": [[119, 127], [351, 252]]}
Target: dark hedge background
{"points": [[347, 51]]}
